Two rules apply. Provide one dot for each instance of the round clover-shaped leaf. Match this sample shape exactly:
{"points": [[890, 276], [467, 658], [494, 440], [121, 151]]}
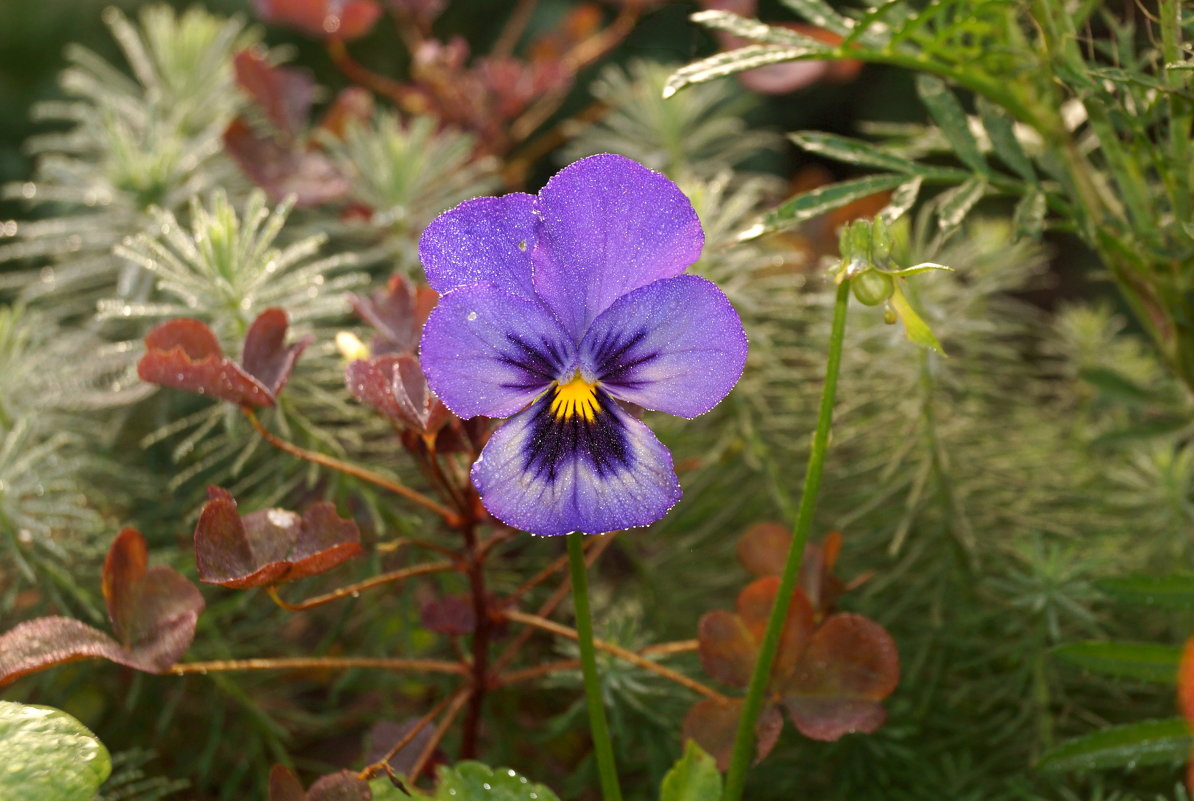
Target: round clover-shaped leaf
{"points": [[48, 755], [474, 781], [713, 723]]}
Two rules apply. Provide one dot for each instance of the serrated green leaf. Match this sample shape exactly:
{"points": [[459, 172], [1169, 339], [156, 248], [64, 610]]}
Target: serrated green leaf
{"points": [[749, 28], [469, 781], [1163, 592], [954, 204], [1028, 220], [47, 755], [820, 13], [731, 63], [827, 198], [948, 114], [915, 328], [694, 777], [855, 151], [1153, 662], [901, 200], [1149, 743], [1000, 130]]}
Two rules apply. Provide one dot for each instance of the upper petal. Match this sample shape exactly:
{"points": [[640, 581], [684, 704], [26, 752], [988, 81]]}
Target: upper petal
{"points": [[610, 225], [550, 475], [675, 346], [487, 351], [487, 239]]}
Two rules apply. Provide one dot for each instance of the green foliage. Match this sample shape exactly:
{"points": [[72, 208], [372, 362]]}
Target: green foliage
{"points": [[48, 755], [694, 777], [471, 781]]}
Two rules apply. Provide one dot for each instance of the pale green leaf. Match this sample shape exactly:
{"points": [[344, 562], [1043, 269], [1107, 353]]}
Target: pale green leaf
{"points": [[753, 29], [917, 269], [47, 755], [1148, 743], [827, 198], [915, 328], [954, 204], [694, 777], [855, 151], [1153, 662], [818, 12], [901, 200], [1164, 592], [1028, 220], [731, 63], [1003, 139], [948, 114]]}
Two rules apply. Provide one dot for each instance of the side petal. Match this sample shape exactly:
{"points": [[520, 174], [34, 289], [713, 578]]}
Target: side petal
{"points": [[487, 351], [610, 225], [484, 240], [674, 346], [549, 475]]}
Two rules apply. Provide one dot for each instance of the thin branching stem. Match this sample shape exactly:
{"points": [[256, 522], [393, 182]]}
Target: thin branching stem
{"points": [[744, 738], [381, 765], [454, 707], [449, 517], [319, 663], [369, 583]]}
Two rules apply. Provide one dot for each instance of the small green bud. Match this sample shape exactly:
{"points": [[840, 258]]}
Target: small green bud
{"points": [[871, 288], [881, 243], [889, 316]]}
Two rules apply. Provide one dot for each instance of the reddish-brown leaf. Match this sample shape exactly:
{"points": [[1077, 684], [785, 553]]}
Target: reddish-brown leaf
{"points": [[283, 786], [850, 665], [153, 612], [396, 387], [184, 354], [754, 607], [283, 94], [727, 649], [326, 19], [1185, 683], [713, 724], [265, 355], [342, 786], [397, 313], [763, 549], [48, 641], [271, 545], [284, 169]]}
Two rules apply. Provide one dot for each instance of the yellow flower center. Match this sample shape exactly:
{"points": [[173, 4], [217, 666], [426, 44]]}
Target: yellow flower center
{"points": [[576, 398]]}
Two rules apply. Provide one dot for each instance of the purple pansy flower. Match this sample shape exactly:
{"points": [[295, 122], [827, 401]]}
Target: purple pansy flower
{"points": [[556, 309]]}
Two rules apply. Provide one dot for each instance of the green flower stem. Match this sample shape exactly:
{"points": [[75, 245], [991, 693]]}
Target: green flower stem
{"points": [[602, 747], [744, 739]]}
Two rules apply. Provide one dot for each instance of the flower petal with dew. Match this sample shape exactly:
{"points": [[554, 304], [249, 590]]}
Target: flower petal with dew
{"points": [[556, 310]]}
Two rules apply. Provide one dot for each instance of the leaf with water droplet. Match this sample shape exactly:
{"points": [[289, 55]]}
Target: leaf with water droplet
{"points": [[48, 755], [269, 546], [470, 781]]}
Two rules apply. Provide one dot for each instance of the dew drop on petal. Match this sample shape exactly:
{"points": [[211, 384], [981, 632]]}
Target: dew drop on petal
{"points": [[472, 316]]}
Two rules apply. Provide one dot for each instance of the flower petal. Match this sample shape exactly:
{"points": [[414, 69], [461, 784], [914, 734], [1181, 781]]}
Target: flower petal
{"points": [[484, 240], [553, 475], [610, 225], [675, 346], [486, 351]]}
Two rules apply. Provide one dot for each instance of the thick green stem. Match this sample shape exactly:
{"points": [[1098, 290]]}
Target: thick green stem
{"points": [[602, 747], [744, 740]]}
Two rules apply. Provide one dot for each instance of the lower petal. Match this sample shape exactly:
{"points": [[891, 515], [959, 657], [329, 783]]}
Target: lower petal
{"points": [[552, 475]]}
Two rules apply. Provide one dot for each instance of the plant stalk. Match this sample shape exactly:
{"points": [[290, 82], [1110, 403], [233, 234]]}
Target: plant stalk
{"points": [[602, 746], [744, 739]]}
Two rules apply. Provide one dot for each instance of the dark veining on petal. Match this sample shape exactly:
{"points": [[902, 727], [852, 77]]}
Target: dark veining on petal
{"points": [[556, 442], [616, 356], [541, 363]]}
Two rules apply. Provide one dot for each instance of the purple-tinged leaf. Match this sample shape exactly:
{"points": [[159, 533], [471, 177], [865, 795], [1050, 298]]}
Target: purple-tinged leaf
{"points": [[281, 171], [283, 786], [269, 546], [397, 313], [184, 354], [395, 387], [342, 786], [153, 611], [449, 614], [351, 106], [325, 19], [283, 94], [265, 355], [713, 725]]}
